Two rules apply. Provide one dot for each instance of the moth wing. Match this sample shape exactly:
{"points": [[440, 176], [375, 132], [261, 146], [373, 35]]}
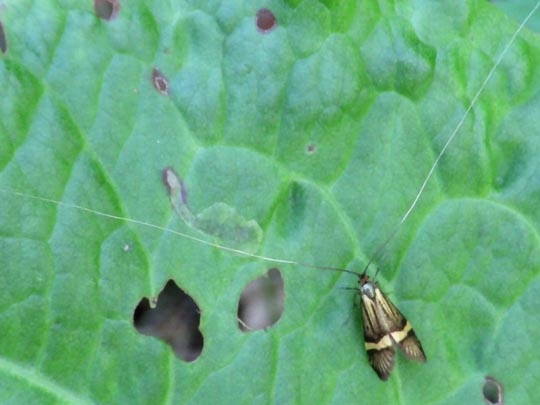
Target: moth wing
{"points": [[382, 361], [378, 345], [384, 327], [400, 329], [412, 348], [393, 318]]}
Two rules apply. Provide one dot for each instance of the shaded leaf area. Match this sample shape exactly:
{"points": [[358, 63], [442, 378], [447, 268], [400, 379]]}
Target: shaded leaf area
{"points": [[219, 220], [518, 9], [320, 131]]}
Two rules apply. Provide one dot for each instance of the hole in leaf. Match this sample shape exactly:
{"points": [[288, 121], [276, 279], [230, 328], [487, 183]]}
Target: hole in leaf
{"points": [[261, 302], [266, 20], [160, 82], [3, 39], [106, 9], [173, 317], [492, 391], [311, 149]]}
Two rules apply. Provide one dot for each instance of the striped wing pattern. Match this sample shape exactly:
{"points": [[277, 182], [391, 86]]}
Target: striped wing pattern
{"points": [[384, 328]]}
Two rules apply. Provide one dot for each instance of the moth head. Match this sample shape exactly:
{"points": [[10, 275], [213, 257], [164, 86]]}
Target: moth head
{"points": [[366, 286]]}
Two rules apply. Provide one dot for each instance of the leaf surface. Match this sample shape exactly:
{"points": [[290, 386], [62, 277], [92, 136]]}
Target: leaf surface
{"points": [[317, 134]]}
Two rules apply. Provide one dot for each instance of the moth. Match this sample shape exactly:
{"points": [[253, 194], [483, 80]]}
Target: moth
{"points": [[384, 328]]}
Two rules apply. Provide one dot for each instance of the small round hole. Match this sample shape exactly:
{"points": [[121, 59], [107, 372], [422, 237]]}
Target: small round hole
{"points": [[261, 302], [173, 317], [492, 391], [266, 21], [311, 149], [106, 9]]}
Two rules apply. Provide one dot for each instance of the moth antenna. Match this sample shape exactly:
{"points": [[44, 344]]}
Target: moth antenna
{"points": [[381, 247], [150, 225], [450, 139], [172, 231], [312, 266]]}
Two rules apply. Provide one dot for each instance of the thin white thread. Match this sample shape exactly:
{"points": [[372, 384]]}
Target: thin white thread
{"points": [[171, 231], [451, 137], [467, 111], [148, 224], [283, 261]]}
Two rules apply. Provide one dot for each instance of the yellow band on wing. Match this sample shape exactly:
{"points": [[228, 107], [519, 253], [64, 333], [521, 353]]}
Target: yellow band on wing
{"points": [[387, 340]]}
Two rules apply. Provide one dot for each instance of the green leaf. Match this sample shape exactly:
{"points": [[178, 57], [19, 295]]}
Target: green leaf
{"points": [[312, 139]]}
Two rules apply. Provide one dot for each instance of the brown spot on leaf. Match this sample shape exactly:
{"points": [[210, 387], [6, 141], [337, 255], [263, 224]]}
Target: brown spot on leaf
{"points": [[266, 21], [160, 82], [174, 184], [175, 319]]}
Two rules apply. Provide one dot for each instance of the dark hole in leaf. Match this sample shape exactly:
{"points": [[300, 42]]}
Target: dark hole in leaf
{"points": [[160, 82], [492, 391], [261, 302], [175, 319], [106, 9], [311, 149], [266, 20], [3, 39]]}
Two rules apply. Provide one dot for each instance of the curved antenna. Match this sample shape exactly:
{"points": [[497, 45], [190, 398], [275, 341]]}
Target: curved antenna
{"points": [[283, 261], [381, 248], [312, 266], [451, 138], [172, 231]]}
